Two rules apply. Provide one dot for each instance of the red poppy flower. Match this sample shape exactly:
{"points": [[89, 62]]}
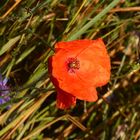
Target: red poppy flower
{"points": [[77, 68]]}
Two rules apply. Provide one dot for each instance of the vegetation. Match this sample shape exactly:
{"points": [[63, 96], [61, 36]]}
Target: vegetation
{"points": [[28, 31]]}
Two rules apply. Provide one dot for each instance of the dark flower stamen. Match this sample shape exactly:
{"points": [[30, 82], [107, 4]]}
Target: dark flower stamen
{"points": [[73, 64]]}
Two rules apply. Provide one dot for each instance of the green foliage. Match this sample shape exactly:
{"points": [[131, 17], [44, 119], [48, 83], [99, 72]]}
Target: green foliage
{"points": [[27, 37]]}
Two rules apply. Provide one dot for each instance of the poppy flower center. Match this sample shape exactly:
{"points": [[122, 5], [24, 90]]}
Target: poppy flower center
{"points": [[73, 64]]}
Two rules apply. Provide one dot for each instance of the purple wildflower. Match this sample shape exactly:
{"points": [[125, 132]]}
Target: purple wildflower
{"points": [[4, 90]]}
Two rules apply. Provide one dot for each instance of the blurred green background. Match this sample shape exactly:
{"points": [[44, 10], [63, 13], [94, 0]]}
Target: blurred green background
{"points": [[28, 31]]}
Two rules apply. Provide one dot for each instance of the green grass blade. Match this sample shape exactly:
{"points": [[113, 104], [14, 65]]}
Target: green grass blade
{"points": [[93, 21], [9, 44]]}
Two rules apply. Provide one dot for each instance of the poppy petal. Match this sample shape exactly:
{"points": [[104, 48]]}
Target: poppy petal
{"points": [[94, 64], [57, 64], [77, 68], [64, 51], [65, 100], [73, 85], [73, 47], [76, 44]]}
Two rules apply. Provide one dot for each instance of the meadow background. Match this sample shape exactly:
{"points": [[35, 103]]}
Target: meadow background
{"points": [[28, 31]]}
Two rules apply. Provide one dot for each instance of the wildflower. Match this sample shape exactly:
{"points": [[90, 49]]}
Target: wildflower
{"points": [[3, 91], [77, 68]]}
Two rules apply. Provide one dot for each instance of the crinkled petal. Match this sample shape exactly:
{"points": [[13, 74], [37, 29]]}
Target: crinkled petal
{"points": [[93, 57], [66, 50], [65, 100], [73, 46], [71, 83], [74, 86], [94, 70], [94, 64]]}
